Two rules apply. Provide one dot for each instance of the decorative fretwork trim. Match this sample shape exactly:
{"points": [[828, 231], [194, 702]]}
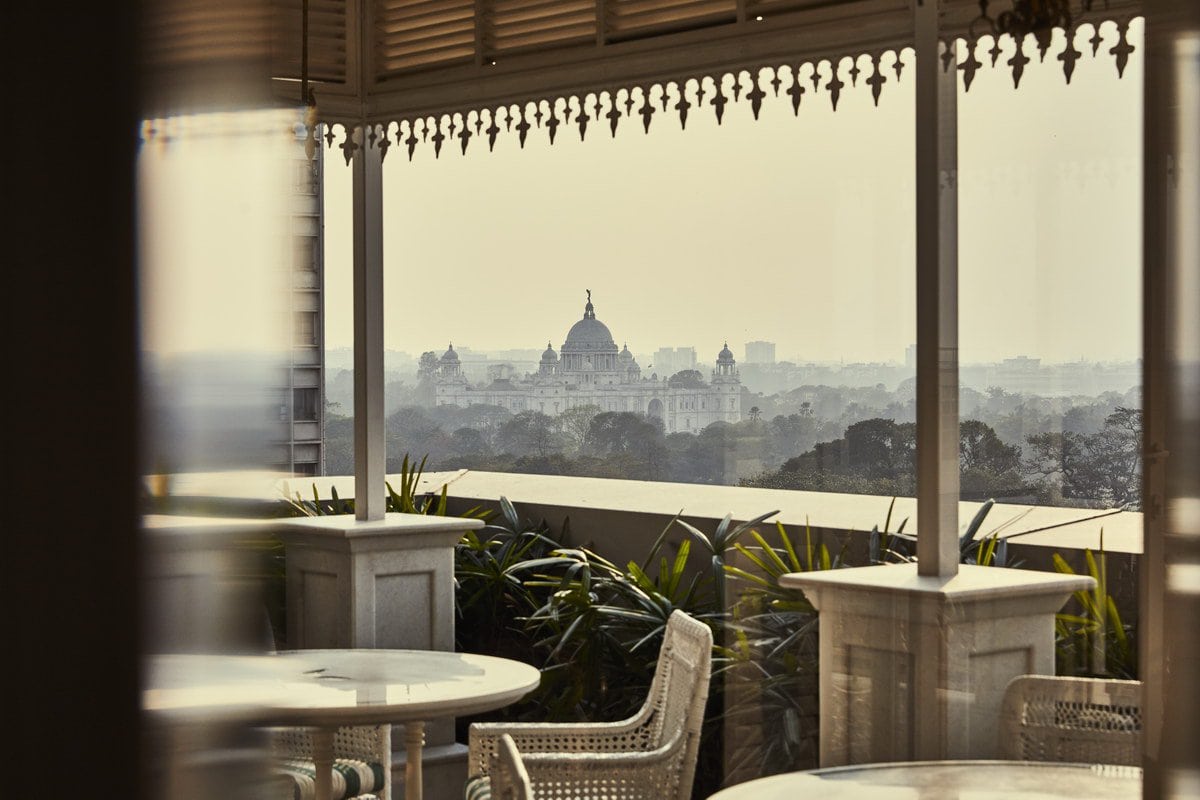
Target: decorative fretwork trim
{"points": [[615, 108], [802, 82]]}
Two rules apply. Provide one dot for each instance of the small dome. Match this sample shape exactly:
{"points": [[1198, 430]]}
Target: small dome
{"points": [[625, 355], [450, 357], [549, 355], [726, 355]]}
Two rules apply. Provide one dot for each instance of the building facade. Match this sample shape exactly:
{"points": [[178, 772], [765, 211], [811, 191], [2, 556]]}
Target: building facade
{"points": [[590, 370], [299, 446]]}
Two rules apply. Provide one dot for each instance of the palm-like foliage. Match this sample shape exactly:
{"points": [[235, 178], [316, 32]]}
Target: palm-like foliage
{"points": [[297, 506], [723, 539], [1092, 640], [405, 501], [491, 566], [769, 657], [595, 628], [891, 547], [900, 547], [601, 626]]}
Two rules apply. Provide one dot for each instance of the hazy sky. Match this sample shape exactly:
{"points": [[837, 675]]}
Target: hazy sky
{"points": [[792, 229], [210, 226]]}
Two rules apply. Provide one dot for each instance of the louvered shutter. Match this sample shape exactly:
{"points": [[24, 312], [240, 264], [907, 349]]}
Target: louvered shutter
{"points": [[416, 34], [521, 25], [326, 40], [774, 6], [631, 19], [183, 34]]}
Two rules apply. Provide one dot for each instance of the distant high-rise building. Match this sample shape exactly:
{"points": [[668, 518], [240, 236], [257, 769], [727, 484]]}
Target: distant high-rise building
{"points": [[760, 353], [669, 360], [910, 357], [300, 448]]}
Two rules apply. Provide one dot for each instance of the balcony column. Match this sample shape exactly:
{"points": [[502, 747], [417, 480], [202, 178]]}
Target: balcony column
{"points": [[937, 296], [369, 457], [914, 658], [1168, 641], [377, 580]]}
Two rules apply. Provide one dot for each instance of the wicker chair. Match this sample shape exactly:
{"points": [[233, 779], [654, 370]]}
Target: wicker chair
{"points": [[361, 766], [1081, 720], [650, 756]]}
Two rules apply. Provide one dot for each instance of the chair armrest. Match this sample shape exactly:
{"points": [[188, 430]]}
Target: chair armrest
{"points": [[625, 736], [645, 775]]}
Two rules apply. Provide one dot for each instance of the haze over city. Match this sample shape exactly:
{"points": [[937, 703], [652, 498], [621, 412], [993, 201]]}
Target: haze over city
{"points": [[792, 229]]}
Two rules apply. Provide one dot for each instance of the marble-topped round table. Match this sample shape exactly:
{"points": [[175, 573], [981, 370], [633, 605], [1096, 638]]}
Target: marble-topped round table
{"points": [[328, 689], [947, 780]]}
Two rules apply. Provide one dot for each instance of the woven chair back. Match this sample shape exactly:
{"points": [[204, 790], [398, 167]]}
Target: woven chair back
{"points": [[679, 691], [1078, 720]]}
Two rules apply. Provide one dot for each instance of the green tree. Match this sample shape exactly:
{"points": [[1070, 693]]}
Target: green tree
{"points": [[791, 435], [631, 444], [574, 424], [613, 432], [715, 454], [339, 444], [987, 466], [686, 379], [486, 419], [980, 448], [1103, 468], [410, 430], [1117, 451], [529, 433], [469, 443], [427, 370], [881, 448]]}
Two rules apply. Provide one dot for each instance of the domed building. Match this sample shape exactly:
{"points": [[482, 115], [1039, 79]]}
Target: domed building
{"points": [[589, 369], [449, 365]]}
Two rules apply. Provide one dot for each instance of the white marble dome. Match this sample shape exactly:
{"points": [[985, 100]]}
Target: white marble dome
{"points": [[589, 335]]}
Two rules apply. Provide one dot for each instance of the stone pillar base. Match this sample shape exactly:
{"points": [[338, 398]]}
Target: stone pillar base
{"points": [[914, 667]]}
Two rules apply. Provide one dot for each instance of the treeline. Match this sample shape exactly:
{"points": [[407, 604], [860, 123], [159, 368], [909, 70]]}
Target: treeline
{"points": [[878, 456], [1088, 457], [583, 441]]}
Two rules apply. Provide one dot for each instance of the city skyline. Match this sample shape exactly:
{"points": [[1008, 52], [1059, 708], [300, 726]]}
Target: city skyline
{"points": [[792, 229], [510, 353]]}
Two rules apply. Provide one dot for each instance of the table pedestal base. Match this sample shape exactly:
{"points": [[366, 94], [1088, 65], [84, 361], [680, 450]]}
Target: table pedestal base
{"points": [[322, 744], [414, 744]]}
